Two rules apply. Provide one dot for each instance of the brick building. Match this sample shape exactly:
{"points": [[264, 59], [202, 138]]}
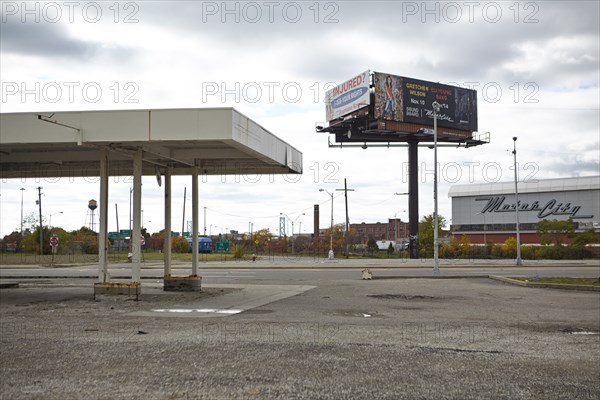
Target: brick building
{"points": [[394, 229]]}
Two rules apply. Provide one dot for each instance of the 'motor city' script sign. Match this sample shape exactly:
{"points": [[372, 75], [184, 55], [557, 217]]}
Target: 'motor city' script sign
{"points": [[495, 204]]}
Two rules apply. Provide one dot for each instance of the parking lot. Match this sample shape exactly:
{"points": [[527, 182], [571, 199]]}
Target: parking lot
{"points": [[333, 338]]}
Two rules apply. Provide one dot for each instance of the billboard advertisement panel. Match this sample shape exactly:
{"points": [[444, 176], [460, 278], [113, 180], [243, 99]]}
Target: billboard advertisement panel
{"points": [[348, 97], [409, 100]]}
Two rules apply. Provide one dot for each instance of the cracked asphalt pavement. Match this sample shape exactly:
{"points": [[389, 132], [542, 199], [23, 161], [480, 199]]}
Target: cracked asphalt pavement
{"points": [[342, 339]]}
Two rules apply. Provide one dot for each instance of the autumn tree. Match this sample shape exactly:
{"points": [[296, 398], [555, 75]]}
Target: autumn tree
{"points": [[554, 231], [587, 237], [426, 232], [13, 241]]}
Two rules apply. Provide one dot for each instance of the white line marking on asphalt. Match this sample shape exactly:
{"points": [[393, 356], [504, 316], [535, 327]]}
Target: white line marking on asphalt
{"points": [[200, 310]]}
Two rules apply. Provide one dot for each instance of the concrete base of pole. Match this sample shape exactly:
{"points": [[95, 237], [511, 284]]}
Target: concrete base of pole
{"points": [[133, 289], [192, 283]]}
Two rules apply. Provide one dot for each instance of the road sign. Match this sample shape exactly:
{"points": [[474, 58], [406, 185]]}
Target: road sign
{"points": [[222, 246], [54, 241]]}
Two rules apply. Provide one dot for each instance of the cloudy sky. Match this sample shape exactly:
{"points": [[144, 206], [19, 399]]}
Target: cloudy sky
{"points": [[535, 66]]}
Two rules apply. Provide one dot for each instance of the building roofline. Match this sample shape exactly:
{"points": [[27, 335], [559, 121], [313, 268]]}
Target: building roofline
{"points": [[528, 186]]}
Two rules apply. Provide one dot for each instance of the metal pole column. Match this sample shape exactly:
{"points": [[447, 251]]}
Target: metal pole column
{"points": [[436, 261], [136, 249], [103, 228], [39, 189], [167, 244], [518, 261], [195, 221], [413, 198], [22, 189], [347, 219]]}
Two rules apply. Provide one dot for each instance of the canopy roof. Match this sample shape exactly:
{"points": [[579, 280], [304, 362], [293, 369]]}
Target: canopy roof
{"points": [[68, 144]]}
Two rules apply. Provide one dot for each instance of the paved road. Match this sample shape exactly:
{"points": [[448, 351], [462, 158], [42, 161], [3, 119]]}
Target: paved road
{"points": [[298, 269]]}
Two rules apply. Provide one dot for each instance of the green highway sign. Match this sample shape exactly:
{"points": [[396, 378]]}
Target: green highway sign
{"points": [[222, 246]]}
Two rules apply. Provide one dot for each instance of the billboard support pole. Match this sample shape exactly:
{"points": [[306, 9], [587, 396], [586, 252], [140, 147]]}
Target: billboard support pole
{"points": [[413, 198]]}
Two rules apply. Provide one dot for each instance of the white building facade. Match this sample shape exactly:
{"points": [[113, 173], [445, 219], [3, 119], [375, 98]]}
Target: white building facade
{"points": [[487, 212]]}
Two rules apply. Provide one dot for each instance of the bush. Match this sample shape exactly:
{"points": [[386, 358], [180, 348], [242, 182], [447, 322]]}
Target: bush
{"points": [[509, 248], [456, 248], [179, 245], [390, 249], [529, 252], [239, 251]]}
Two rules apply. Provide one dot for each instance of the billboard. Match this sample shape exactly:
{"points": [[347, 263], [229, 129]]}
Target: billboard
{"points": [[409, 100], [348, 97]]}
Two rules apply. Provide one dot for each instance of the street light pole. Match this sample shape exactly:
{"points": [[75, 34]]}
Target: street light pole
{"points": [[396, 225], [331, 254], [400, 194], [436, 261], [50, 222], [519, 261], [22, 189], [292, 221], [39, 189]]}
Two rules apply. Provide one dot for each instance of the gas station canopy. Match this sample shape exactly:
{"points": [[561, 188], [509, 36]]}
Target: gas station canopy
{"points": [[69, 144]]}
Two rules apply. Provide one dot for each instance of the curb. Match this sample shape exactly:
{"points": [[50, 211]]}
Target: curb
{"points": [[482, 276], [540, 285]]}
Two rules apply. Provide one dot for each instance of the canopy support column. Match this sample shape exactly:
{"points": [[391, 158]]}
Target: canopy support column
{"points": [[103, 231], [167, 245], [195, 221], [136, 248]]}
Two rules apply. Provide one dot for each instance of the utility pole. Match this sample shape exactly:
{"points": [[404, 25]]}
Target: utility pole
{"points": [[331, 255], [346, 190], [41, 227]]}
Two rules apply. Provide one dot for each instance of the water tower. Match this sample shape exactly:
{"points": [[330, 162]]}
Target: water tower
{"points": [[92, 205]]}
